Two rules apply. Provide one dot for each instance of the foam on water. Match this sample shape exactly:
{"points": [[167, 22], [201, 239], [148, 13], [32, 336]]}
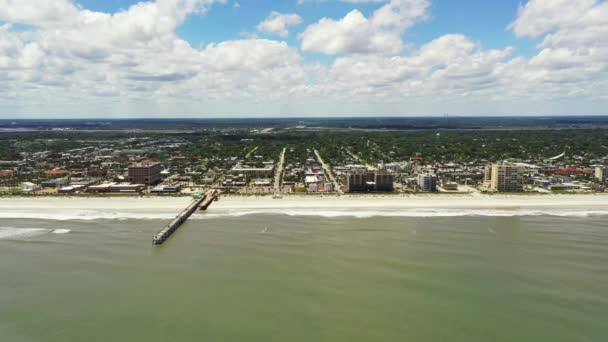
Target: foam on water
{"points": [[13, 233], [405, 213], [61, 231], [88, 215], [85, 215]]}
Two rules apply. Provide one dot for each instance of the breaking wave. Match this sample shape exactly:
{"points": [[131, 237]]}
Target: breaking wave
{"points": [[13, 233], [88, 215], [422, 213], [61, 231]]}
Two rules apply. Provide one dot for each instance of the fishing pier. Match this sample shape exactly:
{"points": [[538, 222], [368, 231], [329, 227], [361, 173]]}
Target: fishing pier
{"points": [[201, 203]]}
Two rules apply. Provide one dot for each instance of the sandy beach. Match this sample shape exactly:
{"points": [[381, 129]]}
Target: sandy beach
{"points": [[89, 208]]}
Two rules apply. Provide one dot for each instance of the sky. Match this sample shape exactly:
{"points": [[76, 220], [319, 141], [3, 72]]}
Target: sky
{"points": [[302, 58]]}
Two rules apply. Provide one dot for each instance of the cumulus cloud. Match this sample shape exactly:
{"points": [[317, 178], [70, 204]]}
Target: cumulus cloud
{"points": [[134, 61], [538, 17], [574, 42], [448, 63], [350, 1], [133, 53], [277, 23], [354, 33]]}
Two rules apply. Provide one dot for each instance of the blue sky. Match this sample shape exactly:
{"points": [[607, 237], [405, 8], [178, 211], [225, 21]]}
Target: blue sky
{"points": [[227, 58], [484, 20]]}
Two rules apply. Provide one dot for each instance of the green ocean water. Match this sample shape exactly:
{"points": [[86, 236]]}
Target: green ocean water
{"points": [[268, 277]]}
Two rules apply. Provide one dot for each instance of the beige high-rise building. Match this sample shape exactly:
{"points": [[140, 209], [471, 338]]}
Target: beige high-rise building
{"points": [[487, 176], [505, 178], [601, 173]]}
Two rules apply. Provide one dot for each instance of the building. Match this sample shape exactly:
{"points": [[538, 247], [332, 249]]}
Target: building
{"points": [[357, 181], [71, 189], [487, 175], [28, 187], [145, 173], [447, 186], [56, 173], [167, 189], [384, 181], [54, 183], [370, 181], [601, 173], [253, 172], [506, 178], [427, 182], [127, 188]]}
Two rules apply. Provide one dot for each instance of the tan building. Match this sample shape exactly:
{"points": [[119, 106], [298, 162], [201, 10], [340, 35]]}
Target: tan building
{"points": [[487, 175], [601, 173], [506, 178]]}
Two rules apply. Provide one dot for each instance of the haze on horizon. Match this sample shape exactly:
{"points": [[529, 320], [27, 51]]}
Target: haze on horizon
{"points": [[247, 58]]}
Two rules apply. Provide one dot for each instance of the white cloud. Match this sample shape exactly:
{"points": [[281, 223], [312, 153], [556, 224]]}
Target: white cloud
{"points": [[447, 64], [379, 34], [538, 17], [132, 61], [574, 42], [277, 23], [350, 1], [39, 13]]}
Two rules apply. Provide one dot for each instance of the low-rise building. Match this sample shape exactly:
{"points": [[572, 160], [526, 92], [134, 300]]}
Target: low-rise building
{"points": [[253, 172], [54, 183], [29, 187]]}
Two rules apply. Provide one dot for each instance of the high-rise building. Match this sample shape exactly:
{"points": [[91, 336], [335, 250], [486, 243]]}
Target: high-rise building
{"points": [[487, 175], [356, 181], [601, 173], [427, 182], [369, 181], [384, 181], [145, 173], [507, 178]]}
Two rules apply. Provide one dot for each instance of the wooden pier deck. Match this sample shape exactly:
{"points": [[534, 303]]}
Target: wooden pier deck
{"points": [[201, 203]]}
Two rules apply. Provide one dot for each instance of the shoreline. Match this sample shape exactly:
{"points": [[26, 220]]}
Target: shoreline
{"points": [[349, 201], [165, 209]]}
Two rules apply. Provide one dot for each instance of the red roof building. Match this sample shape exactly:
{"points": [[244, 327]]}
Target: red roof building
{"points": [[56, 172], [6, 173], [567, 171]]}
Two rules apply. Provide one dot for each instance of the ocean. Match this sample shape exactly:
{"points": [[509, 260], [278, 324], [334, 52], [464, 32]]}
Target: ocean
{"points": [[306, 275]]}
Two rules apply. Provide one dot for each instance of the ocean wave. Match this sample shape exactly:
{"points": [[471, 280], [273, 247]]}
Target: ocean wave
{"points": [[422, 213], [13, 233], [86, 215], [61, 231], [89, 215]]}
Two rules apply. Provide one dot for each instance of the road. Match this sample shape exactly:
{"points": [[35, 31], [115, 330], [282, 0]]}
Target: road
{"points": [[360, 160], [329, 173], [250, 152], [278, 173]]}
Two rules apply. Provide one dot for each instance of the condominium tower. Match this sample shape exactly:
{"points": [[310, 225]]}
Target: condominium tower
{"points": [[505, 177]]}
